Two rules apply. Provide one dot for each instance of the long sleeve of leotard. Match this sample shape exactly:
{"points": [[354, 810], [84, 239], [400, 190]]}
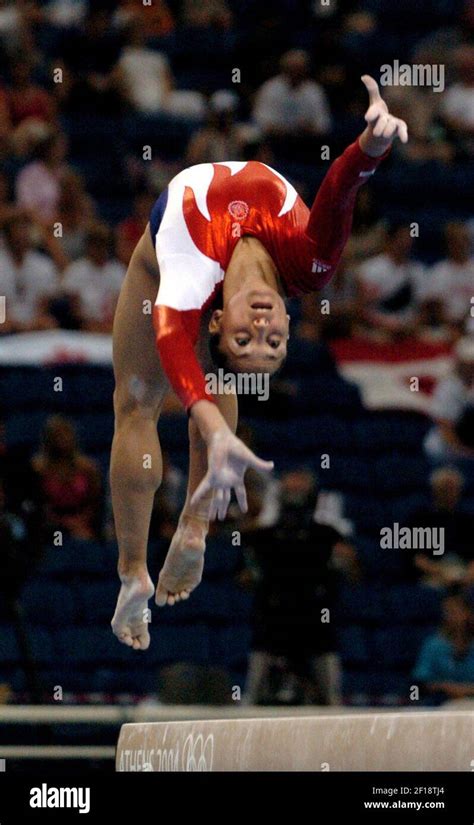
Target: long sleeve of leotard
{"points": [[176, 336], [330, 218]]}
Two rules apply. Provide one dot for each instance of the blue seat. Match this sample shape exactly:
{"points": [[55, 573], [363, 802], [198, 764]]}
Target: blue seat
{"points": [[397, 646], [379, 431], [25, 386], [24, 429], [42, 645], [352, 645], [230, 646], [75, 556], [96, 602], [87, 646], [347, 472], [48, 603], [368, 513], [397, 473], [360, 604], [414, 603], [9, 650], [95, 430], [135, 680], [326, 393], [87, 387], [178, 643], [222, 557], [173, 430], [322, 432], [356, 687], [211, 601]]}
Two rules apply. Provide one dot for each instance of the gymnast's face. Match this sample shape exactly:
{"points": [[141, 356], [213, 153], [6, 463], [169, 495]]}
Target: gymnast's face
{"points": [[253, 329]]}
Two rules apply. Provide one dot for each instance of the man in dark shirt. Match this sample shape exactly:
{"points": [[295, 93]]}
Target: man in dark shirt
{"points": [[298, 574], [456, 563]]}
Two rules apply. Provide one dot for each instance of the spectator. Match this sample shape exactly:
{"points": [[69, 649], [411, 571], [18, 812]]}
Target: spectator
{"points": [[76, 211], [391, 285], [456, 563], [28, 279], [445, 663], [458, 100], [7, 207], [69, 482], [428, 141], [451, 281], [295, 586], [157, 17], [205, 13], [452, 437], [291, 103], [146, 72], [91, 53], [65, 13], [26, 99], [368, 229], [93, 282], [130, 230], [5, 122], [38, 185], [17, 551], [218, 140]]}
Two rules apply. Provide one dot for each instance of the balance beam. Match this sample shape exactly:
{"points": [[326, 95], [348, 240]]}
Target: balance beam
{"points": [[407, 741]]}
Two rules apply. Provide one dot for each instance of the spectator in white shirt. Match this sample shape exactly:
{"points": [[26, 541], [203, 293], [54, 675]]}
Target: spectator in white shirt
{"points": [[452, 437], [451, 283], [391, 286], [93, 282], [38, 185], [292, 103], [28, 279], [457, 106], [146, 71]]}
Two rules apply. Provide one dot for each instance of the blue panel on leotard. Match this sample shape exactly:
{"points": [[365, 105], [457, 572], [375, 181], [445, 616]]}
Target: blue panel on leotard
{"points": [[157, 212]]}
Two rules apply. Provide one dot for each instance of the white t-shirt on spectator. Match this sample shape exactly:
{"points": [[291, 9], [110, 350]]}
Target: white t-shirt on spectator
{"points": [[25, 286], [280, 105], [383, 278], [458, 103], [146, 74], [38, 188], [453, 284], [97, 287], [450, 399]]}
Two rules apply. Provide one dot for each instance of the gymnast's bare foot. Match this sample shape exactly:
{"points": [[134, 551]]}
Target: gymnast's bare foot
{"points": [[130, 620], [184, 563]]}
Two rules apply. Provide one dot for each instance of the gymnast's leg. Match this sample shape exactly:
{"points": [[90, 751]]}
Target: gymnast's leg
{"points": [[136, 465]]}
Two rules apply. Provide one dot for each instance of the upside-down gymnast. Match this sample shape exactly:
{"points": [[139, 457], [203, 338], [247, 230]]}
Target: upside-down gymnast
{"points": [[235, 235]]}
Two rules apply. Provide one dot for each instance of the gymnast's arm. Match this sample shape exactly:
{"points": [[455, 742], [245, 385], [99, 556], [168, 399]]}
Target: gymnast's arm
{"points": [[330, 219], [228, 458]]}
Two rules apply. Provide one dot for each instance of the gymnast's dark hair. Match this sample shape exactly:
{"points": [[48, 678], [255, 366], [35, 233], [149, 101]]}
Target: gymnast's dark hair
{"points": [[219, 358]]}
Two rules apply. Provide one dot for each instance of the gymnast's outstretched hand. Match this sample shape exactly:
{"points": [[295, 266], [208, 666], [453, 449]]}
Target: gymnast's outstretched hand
{"points": [[382, 127], [228, 460]]}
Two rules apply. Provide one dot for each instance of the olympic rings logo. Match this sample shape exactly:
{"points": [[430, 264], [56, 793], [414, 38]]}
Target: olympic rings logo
{"points": [[198, 753]]}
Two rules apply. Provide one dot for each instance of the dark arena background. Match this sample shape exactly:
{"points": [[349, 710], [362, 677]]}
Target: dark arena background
{"points": [[344, 598]]}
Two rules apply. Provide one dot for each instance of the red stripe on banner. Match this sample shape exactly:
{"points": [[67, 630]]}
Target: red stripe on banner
{"points": [[408, 349]]}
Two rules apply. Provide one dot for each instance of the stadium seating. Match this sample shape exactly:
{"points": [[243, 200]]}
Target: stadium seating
{"points": [[376, 463]]}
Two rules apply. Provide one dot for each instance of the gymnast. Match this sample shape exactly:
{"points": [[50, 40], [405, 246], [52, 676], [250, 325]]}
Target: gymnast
{"points": [[225, 244]]}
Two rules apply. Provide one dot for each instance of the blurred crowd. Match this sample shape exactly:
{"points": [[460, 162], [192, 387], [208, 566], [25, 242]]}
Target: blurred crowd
{"points": [[283, 81], [271, 82]]}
